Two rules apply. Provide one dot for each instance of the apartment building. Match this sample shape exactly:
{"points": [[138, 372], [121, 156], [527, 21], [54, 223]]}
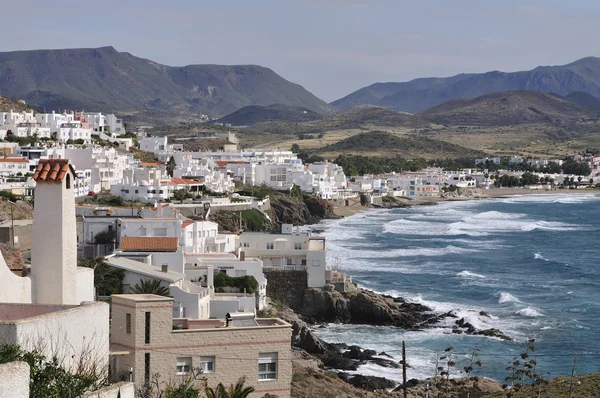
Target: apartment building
{"points": [[143, 327], [289, 250]]}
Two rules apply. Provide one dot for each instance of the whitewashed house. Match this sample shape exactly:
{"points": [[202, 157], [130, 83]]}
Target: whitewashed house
{"points": [[290, 250]]}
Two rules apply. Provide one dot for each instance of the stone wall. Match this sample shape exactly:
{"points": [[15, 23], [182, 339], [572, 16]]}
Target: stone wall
{"points": [[287, 287]]}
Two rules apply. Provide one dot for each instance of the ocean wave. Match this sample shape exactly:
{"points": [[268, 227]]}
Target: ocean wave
{"points": [[506, 297], [529, 312], [469, 274], [538, 256], [544, 198]]}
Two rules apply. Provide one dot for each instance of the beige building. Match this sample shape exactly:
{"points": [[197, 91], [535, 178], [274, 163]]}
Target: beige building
{"points": [[152, 342]]}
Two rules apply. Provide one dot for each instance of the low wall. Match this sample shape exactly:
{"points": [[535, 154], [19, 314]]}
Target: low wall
{"points": [[287, 287], [14, 380], [119, 390]]}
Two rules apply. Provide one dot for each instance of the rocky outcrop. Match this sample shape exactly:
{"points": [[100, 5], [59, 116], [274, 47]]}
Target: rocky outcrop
{"points": [[365, 307], [464, 327], [369, 383]]}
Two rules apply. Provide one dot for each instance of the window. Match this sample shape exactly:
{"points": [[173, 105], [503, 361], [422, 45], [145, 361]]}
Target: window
{"points": [[246, 244], [267, 366], [160, 232], [273, 171], [269, 246], [207, 364], [298, 246], [316, 263], [273, 178], [147, 329], [128, 323], [68, 181], [303, 261], [147, 365], [143, 231], [184, 365], [281, 177]]}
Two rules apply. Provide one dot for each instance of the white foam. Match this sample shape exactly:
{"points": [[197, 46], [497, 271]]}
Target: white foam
{"points": [[506, 297], [558, 198], [469, 275], [529, 312]]}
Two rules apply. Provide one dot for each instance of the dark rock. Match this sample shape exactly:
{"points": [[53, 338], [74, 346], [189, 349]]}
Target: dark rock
{"points": [[355, 352], [409, 384], [386, 363], [484, 313], [334, 360], [371, 383], [493, 333], [384, 354]]}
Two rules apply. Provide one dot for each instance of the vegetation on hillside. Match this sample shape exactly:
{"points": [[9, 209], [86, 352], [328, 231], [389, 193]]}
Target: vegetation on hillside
{"points": [[254, 114], [504, 108]]}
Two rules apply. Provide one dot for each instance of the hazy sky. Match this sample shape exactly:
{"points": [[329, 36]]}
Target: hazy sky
{"points": [[331, 47]]}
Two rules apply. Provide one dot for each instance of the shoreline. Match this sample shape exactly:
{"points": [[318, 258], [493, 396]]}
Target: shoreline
{"points": [[495, 193]]}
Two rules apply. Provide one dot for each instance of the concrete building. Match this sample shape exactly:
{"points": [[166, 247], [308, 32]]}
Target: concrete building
{"points": [[259, 349], [55, 277], [53, 309], [10, 167], [289, 250]]}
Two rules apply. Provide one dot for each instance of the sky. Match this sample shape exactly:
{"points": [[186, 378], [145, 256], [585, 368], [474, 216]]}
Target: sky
{"points": [[331, 47]]}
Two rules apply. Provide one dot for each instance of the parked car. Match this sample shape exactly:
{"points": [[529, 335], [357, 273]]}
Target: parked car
{"points": [[91, 193]]}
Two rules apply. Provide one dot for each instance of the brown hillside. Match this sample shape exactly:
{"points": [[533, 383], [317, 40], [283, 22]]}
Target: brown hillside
{"points": [[8, 104], [504, 108]]}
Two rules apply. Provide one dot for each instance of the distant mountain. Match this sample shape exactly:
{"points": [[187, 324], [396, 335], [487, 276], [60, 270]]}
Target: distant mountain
{"points": [[504, 108], [585, 100], [7, 105], [253, 114], [419, 94], [107, 80]]}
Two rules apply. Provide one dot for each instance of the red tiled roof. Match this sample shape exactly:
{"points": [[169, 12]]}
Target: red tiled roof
{"points": [[151, 164], [13, 160], [223, 163], [150, 244], [186, 223], [52, 170]]}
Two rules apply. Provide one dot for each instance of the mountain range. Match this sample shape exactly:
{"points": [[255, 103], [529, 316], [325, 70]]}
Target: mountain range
{"points": [[420, 94], [103, 79]]}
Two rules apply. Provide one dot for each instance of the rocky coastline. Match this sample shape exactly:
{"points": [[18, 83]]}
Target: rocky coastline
{"points": [[362, 306]]}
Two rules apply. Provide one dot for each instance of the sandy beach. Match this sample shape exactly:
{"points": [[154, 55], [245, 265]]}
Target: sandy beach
{"points": [[355, 207]]}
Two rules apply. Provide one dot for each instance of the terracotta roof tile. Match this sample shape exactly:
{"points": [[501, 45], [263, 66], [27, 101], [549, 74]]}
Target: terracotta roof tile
{"points": [[13, 160], [52, 170], [149, 244], [151, 164], [181, 181]]}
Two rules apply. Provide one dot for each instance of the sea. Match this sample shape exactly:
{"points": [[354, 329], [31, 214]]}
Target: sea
{"points": [[531, 261]]}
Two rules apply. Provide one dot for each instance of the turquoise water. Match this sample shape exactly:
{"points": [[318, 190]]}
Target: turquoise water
{"points": [[532, 262]]}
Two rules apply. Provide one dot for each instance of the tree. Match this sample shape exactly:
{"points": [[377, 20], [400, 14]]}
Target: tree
{"points": [[237, 391], [171, 166], [295, 148], [107, 280], [151, 286], [181, 194]]}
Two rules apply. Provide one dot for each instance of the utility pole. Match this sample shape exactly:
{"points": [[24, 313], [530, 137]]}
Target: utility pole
{"points": [[12, 224], [404, 368]]}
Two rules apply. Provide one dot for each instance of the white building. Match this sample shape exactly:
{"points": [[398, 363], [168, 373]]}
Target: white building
{"points": [[13, 166], [288, 250], [50, 310]]}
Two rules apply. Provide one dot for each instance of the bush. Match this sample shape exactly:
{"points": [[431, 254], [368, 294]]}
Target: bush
{"points": [[9, 195], [247, 282]]}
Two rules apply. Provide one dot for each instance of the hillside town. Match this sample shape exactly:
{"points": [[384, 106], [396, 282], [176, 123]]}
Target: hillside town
{"points": [[188, 296]]}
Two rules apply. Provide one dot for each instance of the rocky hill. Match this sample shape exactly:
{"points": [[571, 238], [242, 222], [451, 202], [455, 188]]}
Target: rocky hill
{"points": [[585, 100], [254, 114], [107, 80], [7, 105], [410, 145], [504, 108], [419, 94]]}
